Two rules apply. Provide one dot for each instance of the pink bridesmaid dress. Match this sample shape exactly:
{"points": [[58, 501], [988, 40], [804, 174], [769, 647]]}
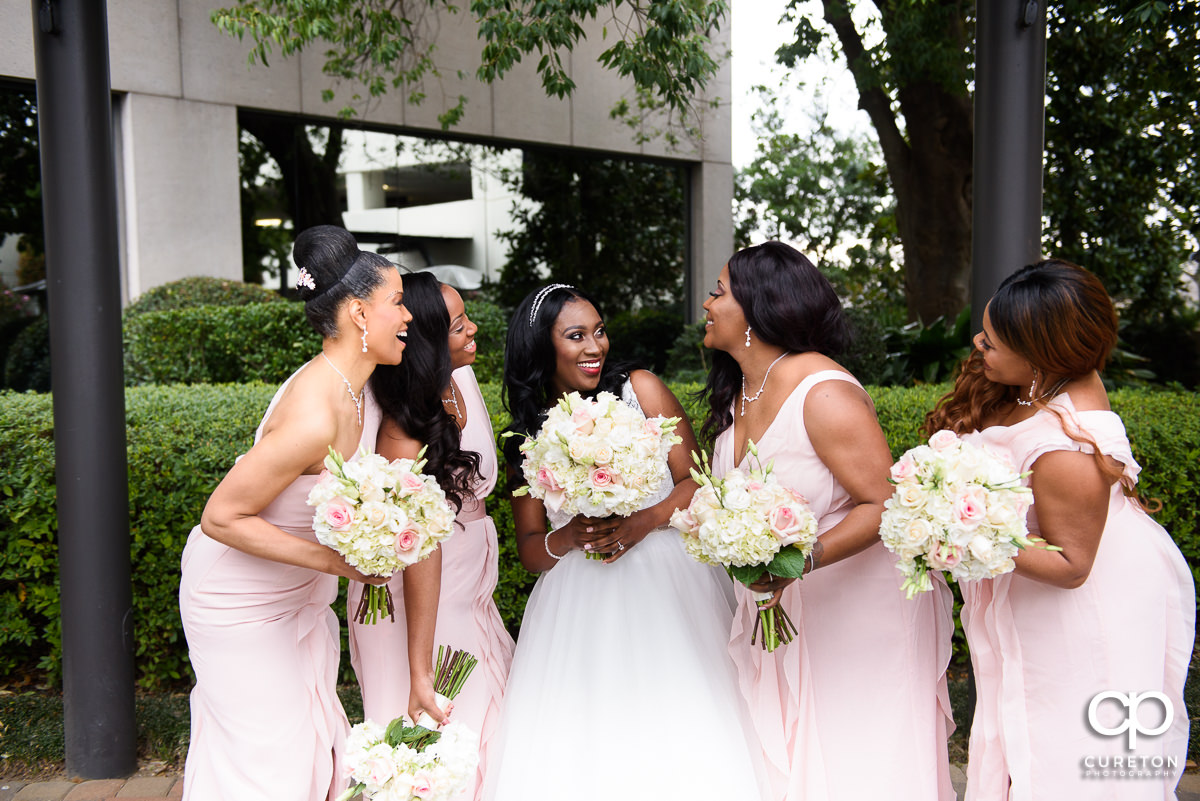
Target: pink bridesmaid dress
{"points": [[267, 723], [856, 706], [467, 616], [1042, 653]]}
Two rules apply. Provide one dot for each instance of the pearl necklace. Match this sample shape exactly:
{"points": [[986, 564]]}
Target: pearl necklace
{"points": [[358, 399], [758, 394], [453, 399]]}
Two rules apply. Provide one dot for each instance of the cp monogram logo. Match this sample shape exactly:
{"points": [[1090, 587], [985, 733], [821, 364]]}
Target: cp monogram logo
{"points": [[1132, 722]]}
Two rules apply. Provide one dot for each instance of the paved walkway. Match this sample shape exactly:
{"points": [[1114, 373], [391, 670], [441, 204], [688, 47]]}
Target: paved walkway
{"points": [[155, 788]]}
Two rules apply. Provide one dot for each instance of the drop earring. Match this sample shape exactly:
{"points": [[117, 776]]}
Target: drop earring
{"points": [[364, 339], [1032, 387], [747, 336]]}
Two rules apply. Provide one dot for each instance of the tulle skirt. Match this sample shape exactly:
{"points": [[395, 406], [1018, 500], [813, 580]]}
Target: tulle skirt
{"points": [[622, 686]]}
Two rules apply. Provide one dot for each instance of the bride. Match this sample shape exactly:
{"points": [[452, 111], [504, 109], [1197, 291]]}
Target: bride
{"points": [[622, 685]]}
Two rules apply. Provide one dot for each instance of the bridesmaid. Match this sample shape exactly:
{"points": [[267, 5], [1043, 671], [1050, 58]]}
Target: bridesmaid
{"points": [[856, 706], [256, 586], [426, 405], [1114, 609]]}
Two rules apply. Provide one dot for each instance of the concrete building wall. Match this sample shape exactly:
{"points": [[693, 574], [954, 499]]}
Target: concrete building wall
{"points": [[180, 82]]}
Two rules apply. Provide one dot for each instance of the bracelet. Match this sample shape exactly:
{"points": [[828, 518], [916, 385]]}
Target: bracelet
{"points": [[547, 543], [814, 555]]}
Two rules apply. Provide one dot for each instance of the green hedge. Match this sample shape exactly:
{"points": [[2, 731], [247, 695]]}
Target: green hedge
{"points": [[181, 440], [253, 342]]}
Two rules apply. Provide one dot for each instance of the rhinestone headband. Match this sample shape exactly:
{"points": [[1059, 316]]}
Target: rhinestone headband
{"points": [[542, 294]]}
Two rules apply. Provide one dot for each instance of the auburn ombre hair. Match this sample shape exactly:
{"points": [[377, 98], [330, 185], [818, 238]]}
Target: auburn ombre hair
{"points": [[1058, 317]]}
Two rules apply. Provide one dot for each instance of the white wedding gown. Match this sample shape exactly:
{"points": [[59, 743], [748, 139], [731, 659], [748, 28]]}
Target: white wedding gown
{"points": [[622, 686]]}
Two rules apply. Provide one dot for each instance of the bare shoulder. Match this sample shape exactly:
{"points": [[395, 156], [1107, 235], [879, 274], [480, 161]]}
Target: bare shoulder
{"points": [[393, 442], [1088, 394], [653, 394], [303, 421]]}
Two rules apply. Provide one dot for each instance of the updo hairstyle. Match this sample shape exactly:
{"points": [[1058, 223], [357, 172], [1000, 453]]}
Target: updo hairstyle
{"points": [[329, 254]]}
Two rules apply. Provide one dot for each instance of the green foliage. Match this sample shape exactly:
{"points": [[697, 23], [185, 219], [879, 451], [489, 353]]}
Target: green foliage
{"points": [[645, 336], [20, 164], [927, 353], [1121, 193], [187, 293], [821, 189], [383, 45], [687, 361], [27, 362], [181, 440], [489, 340], [217, 344], [613, 227]]}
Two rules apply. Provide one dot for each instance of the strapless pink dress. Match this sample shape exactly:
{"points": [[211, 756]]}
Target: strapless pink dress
{"points": [[264, 644], [856, 706], [467, 614], [1042, 653]]}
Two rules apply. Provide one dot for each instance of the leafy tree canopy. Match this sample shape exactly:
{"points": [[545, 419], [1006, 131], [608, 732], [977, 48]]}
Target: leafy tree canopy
{"points": [[664, 46], [611, 226]]}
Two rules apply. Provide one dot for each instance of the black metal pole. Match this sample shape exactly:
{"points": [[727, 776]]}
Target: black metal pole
{"points": [[1010, 113], [83, 283]]}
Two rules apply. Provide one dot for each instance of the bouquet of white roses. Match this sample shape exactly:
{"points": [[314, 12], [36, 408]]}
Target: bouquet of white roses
{"points": [[381, 516], [597, 457], [750, 524], [956, 507], [401, 762]]}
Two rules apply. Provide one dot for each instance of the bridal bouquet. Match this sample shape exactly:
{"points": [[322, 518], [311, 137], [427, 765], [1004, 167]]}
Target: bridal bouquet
{"points": [[381, 516], [956, 507], [750, 524], [400, 762], [597, 457]]}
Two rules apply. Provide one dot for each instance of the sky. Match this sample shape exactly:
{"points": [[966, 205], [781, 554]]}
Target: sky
{"points": [[756, 35]]}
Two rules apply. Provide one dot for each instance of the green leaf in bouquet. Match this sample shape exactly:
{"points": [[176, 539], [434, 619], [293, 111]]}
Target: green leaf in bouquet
{"points": [[416, 737], [748, 574], [788, 563]]}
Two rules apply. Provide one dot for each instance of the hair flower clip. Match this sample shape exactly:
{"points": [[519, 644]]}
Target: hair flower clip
{"points": [[305, 280]]}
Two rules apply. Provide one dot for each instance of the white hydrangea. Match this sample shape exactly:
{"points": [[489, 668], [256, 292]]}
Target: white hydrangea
{"points": [[597, 457], [956, 507]]}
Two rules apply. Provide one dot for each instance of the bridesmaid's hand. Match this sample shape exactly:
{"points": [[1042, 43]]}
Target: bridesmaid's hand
{"points": [[338, 566], [772, 584], [422, 699]]}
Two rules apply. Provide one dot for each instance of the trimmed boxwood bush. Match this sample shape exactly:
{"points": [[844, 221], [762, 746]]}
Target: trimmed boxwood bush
{"points": [[218, 344], [200, 291], [182, 439]]}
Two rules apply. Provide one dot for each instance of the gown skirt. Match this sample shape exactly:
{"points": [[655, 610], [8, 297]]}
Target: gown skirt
{"points": [[1041, 654], [856, 707], [467, 617], [622, 687], [266, 721]]}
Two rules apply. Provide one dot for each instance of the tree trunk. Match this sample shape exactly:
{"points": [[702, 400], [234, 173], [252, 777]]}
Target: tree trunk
{"points": [[309, 177], [929, 163]]}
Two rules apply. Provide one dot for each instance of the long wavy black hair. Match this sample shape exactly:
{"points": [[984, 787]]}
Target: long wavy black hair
{"points": [[788, 303], [530, 363], [410, 393]]}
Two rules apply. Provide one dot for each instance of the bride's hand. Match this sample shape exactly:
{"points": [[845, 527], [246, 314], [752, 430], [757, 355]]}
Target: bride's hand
{"points": [[583, 531], [629, 531]]}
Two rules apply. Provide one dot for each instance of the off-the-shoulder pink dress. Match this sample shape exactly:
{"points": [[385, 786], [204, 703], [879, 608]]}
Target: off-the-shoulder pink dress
{"points": [[856, 706], [1041, 653], [467, 616], [266, 720]]}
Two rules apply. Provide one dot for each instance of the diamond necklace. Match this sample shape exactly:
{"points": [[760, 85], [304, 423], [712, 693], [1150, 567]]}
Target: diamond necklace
{"points": [[453, 399], [358, 399], [758, 394]]}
